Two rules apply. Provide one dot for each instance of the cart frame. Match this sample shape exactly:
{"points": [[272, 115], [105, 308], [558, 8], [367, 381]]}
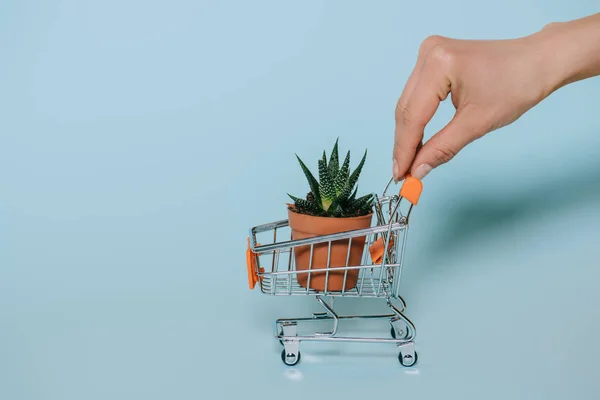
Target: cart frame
{"points": [[379, 275]]}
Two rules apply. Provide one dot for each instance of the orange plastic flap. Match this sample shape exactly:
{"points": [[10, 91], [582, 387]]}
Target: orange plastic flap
{"points": [[376, 250], [252, 267], [411, 189]]}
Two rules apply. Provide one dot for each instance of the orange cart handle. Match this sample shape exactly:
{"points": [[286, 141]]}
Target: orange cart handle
{"points": [[411, 189]]}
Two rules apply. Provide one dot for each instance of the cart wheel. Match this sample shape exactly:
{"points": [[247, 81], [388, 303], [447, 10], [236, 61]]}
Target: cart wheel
{"points": [[408, 360], [290, 358], [393, 333]]}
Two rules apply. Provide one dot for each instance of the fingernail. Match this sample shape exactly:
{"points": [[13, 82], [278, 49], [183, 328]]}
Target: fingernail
{"points": [[422, 171], [396, 171]]}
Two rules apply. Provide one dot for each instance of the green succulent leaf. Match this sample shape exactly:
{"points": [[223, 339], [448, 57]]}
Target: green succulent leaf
{"points": [[305, 205], [363, 201], [335, 193], [353, 196], [312, 181], [352, 179], [326, 185], [334, 161], [342, 177]]}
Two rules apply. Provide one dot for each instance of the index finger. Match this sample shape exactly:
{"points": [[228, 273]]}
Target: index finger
{"points": [[414, 113]]}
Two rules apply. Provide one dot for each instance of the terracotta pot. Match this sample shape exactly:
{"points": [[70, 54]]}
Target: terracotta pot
{"points": [[305, 226]]}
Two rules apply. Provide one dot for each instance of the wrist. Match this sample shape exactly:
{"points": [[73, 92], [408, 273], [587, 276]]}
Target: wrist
{"points": [[568, 52]]}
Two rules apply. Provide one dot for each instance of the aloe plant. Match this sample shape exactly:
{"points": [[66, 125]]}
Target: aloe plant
{"points": [[334, 193]]}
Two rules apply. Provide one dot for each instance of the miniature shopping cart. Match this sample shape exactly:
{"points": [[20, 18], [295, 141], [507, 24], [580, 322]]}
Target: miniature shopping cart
{"points": [[271, 264]]}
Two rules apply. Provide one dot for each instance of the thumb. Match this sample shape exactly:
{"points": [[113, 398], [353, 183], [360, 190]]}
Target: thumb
{"points": [[464, 128]]}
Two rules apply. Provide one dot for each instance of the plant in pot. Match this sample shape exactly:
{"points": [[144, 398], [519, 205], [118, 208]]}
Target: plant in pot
{"points": [[331, 206]]}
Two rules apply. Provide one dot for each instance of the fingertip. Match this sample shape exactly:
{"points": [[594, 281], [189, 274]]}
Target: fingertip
{"points": [[421, 171], [398, 172]]}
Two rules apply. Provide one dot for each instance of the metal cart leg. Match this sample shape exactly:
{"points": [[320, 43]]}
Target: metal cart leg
{"points": [[407, 354], [331, 314], [402, 326]]}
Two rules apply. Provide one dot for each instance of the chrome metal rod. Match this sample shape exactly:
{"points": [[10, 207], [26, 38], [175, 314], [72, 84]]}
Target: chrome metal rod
{"points": [[270, 226], [412, 330], [326, 238], [401, 262], [347, 262], [290, 268], [328, 265], [339, 317], [351, 339], [309, 267], [273, 266], [326, 269], [332, 314]]}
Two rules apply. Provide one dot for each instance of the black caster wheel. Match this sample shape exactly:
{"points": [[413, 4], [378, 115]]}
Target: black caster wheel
{"points": [[407, 360], [290, 359], [393, 333]]}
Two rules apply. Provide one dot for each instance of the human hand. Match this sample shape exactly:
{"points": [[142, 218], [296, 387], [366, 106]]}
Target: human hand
{"points": [[491, 82]]}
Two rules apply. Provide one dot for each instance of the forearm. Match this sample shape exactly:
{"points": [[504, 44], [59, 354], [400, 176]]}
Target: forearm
{"points": [[571, 50]]}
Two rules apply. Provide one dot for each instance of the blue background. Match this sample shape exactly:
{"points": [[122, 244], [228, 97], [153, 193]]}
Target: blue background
{"points": [[140, 140]]}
